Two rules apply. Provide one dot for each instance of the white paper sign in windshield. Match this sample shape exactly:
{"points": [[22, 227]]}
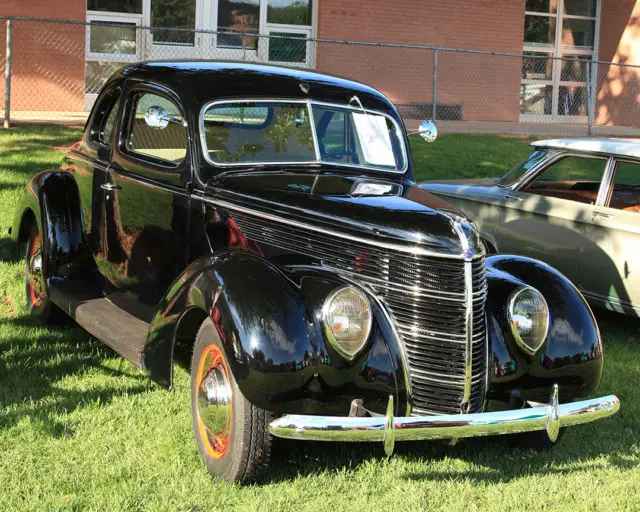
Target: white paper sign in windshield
{"points": [[374, 139]]}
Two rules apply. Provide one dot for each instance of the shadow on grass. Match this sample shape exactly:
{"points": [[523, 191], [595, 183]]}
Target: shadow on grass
{"points": [[8, 248], [32, 366]]}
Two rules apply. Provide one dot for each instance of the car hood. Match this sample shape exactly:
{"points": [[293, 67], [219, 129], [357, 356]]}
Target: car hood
{"points": [[395, 213]]}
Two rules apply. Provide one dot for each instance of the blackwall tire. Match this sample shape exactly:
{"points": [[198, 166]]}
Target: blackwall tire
{"points": [[232, 435]]}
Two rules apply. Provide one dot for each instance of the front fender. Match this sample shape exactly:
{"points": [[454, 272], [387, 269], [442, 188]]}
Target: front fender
{"points": [[262, 322], [572, 355], [269, 325]]}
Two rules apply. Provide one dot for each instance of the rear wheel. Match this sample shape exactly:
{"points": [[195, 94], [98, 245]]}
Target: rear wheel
{"points": [[232, 435], [38, 303]]}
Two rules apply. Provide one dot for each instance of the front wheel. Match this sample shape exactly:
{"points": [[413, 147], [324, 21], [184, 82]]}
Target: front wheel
{"points": [[232, 435]]}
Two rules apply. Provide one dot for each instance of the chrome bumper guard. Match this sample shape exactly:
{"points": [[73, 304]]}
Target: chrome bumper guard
{"points": [[389, 429]]}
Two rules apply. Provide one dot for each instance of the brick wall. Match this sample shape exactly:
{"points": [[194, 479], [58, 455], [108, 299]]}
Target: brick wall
{"points": [[618, 89], [487, 88], [48, 58]]}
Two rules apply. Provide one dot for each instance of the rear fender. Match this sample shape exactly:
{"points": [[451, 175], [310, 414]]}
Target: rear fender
{"points": [[53, 200]]}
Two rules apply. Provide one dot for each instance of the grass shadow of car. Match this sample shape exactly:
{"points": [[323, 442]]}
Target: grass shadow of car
{"points": [[34, 363]]}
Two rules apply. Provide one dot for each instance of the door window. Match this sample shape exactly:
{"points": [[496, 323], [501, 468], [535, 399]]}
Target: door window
{"points": [[168, 144], [626, 189], [104, 119], [573, 178]]}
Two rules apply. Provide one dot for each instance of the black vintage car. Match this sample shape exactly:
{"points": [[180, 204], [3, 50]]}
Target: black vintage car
{"points": [[267, 220]]}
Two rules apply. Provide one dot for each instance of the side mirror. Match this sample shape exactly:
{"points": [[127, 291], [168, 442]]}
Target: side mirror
{"points": [[428, 131], [156, 117]]}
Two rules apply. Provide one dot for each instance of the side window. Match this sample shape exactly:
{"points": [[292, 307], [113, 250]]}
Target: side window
{"points": [[168, 144], [574, 178], [104, 119], [626, 189]]}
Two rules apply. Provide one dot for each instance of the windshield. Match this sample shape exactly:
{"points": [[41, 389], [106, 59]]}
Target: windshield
{"points": [[274, 132], [517, 172]]}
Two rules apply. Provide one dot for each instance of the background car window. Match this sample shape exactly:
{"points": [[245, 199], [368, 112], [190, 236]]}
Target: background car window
{"points": [[168, 144], [518, 171], [104, 119], [574, 178], [626, 190]]}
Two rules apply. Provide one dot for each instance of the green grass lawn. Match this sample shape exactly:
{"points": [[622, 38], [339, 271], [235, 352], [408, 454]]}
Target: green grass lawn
{"points": [[81, 429]]}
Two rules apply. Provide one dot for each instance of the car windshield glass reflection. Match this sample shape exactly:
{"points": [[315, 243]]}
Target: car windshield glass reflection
{"points": [[289, 132], [522, 168]]}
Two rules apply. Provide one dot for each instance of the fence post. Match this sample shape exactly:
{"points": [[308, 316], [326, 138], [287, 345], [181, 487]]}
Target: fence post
{"points": [[589, 100], [244, 49], [434, 100], [7, 78]]}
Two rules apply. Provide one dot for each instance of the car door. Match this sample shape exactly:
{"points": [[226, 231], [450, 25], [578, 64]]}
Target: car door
{"points": [[90, 162], [544, 217], [145, 224], [612, 258]]}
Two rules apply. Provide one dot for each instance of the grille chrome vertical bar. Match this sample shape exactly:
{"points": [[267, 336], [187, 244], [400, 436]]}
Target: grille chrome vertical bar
{"points": [[468, 372], [468, 298]]}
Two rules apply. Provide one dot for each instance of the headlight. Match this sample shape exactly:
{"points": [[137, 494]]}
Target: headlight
{"points": [[347, 320], [529, 318]]}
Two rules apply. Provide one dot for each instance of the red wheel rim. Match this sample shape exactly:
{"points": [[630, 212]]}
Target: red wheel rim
{"points": [[35, 296], [214, 372]]}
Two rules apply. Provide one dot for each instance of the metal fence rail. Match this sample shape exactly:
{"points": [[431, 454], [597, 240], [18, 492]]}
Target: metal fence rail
{"points": [[54, 69]]}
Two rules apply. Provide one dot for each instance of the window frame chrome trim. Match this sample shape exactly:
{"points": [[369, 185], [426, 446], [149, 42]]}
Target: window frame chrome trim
{"points": [[222, 165]]}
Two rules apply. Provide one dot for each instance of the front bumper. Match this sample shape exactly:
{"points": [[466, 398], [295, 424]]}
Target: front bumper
{"points": [[389, 429]]}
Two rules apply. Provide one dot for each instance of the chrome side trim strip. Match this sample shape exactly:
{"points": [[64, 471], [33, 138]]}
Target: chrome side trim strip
{"points": [[387, 429], [413, 250]]}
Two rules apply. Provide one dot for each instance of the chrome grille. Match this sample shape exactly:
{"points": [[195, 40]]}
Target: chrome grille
{"points": [[427, 298]]}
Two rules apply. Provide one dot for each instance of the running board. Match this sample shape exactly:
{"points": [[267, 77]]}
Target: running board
{"points": [[101, 318]]}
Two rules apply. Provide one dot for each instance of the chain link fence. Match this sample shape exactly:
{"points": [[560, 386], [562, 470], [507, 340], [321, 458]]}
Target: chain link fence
{"points": [[53, 71]]}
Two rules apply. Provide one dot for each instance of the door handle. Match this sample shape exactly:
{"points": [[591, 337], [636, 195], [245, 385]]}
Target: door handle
{"points": [[110, 187], [516, 199]]}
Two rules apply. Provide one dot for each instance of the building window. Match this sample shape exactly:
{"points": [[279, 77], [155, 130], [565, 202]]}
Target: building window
{"points": [[557, 89], [177, 14], [289, 12], [119, 6], [238, 18]]}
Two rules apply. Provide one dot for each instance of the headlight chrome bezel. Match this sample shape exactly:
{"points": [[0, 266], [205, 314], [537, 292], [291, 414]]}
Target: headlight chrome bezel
{"points": [[331, 337], [510, 311]]}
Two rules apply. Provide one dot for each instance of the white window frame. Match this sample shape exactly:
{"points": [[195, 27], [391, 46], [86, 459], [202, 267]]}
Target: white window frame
{"points": [[557, 49], [113, 18]]}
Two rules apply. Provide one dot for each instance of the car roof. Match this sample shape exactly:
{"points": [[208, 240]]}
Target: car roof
{"points": [[202, 81], [617, 147]]}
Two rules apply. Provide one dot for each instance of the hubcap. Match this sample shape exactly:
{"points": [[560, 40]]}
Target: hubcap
{"points": [[214, 402], [34, 272]]}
